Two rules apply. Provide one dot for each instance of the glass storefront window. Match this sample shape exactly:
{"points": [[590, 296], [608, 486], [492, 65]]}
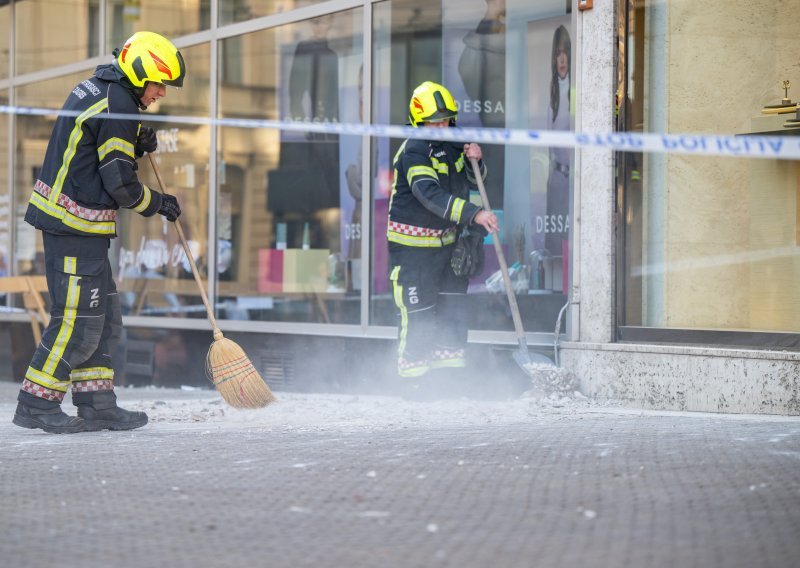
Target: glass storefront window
{"points": [[474, 49], [289, 228], [289, 201], [147, 260], [5, 26], [32, 136], [153, 274], [233, 11], [710, 243], [171, 19], [49, 34], [5, 195]]}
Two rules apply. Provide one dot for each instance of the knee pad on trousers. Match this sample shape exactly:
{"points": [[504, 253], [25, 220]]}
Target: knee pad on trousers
{"points": [[86, 344]]}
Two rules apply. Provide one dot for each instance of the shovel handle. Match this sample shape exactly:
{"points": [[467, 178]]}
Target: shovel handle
{"points": [[501, 258]]}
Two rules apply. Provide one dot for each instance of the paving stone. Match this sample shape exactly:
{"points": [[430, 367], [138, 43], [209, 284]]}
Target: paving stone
{"points": [[592, 487]]}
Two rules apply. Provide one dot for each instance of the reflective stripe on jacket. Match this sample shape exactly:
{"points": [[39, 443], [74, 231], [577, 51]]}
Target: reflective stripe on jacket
{"points": [[413, 236], [89, 169], [430, 194]]}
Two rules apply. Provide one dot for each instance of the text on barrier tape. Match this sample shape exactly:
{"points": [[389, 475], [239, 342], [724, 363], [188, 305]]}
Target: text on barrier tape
{"points": [[750, 146]]}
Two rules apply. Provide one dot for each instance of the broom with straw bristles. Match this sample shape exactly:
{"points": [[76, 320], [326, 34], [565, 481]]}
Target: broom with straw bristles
{"points": [[227, 365]]}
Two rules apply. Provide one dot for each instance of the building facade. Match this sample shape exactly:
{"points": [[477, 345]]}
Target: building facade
{"points": [[669, 275]]}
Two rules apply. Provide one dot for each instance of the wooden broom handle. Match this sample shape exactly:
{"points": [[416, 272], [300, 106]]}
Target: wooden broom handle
{"points": [[512, 298], [188, 252]]}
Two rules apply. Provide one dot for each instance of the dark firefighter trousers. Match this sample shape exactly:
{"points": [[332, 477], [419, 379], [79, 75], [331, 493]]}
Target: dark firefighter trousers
{"points": [[430, 301], [85, 320]]}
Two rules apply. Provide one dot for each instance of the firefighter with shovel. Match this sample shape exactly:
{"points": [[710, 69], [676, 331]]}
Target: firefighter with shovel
{"points": [[435, 237]]}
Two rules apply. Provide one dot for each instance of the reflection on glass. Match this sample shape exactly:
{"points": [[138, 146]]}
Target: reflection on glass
{"points": [[32, 136], [171, 19], [288, 199], [407, 47], [146, 250], [5, 25], [153, 273], [49, 34], [5, 196], [154, 276], [467, 48], [550, 98], [708, 242], [147, 261], [479, 82], [232, 11]]}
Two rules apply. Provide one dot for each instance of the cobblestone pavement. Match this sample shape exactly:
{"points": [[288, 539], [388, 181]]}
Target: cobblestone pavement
{"points": [[570, 486]]}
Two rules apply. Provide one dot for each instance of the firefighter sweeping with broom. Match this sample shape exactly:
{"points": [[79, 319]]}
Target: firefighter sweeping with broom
{"points": [[89, 171], [435, 237]]}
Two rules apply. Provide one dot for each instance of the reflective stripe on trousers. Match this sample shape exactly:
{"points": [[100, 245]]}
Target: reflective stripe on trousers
{"points": [[430, 301], [85, 316]]}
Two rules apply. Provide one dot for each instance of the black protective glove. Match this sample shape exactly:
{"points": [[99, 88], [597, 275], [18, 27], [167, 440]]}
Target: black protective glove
{"points": [[468, 254], [146, 141], [169, 207]]}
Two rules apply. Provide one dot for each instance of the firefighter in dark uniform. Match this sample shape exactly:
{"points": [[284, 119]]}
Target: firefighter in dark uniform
{"points": [[89, 172], [429, 206]]}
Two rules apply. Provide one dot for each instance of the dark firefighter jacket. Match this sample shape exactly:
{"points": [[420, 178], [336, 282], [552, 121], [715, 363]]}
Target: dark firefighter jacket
{"points": [[430, 196], [89, 169]]}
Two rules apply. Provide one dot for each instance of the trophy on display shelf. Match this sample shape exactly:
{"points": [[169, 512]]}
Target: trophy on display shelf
{"points": [[785, 106]]}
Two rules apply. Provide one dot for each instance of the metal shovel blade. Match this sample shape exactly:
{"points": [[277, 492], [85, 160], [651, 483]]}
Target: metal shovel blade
{"points": [[527, 360]]}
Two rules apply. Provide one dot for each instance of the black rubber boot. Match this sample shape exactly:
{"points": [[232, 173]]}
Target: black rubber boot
{"points": [[52, 420], [100, 411]]}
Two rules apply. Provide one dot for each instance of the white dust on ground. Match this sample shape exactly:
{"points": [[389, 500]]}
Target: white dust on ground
{"points": [[344, 412], [553, 392]]}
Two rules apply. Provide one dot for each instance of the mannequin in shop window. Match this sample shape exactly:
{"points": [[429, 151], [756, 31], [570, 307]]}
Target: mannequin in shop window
{"points": [[482, 67], [307, 178], [314, 76], [353, 174]]}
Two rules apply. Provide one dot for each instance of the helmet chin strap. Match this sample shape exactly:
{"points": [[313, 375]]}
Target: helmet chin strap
{"points": [[139, 91]]}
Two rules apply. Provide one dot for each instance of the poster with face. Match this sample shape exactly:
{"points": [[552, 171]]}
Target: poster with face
{"points": [[551, 91]]}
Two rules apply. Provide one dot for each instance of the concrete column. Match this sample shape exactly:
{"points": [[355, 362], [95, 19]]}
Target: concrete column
{"points": [[593, 277]]}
